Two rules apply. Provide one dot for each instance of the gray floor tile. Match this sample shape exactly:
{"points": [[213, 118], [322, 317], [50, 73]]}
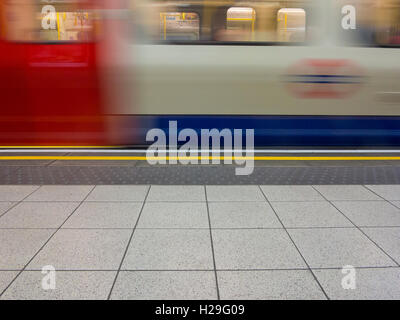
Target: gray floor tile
{"points": [[70, 285], [387, 238], [309, 214], [17, 247], [60, 193], [176, 193], [255, 249], [370, 284], [346, 192], [268, 285], [234, 193], [15, 193], [291, 193], [5, 279], [388, 192], [104, 215], [169, 250], [370, 213], [337, 248], [83, 250], [38, 215], [174, 215], [4, 206], [118, 193], [242, 215], [396, 203], [161, 285]]}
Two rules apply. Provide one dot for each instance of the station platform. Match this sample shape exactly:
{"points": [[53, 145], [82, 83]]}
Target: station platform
{"points": [[122, 229]]}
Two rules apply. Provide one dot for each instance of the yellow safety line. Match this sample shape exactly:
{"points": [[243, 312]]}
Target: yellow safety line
{"points": [[55, 147], [256, 158]]}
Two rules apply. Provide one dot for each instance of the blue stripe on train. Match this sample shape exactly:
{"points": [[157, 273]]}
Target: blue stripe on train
{"points": [[327, 78], [290, 130]]}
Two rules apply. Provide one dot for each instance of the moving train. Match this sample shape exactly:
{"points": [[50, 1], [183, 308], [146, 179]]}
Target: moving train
{"points": [[103, 73]]}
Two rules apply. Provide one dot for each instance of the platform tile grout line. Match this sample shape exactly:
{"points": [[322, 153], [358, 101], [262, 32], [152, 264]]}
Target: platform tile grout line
{"points": [[19, 202], [189, 201], [208, 270], [359, 228], [47, 241], [212, 244], [392, 204], [51, 162], [298, 250], [398, 207], [205, 228], [129, 242], [195, 228], [170, 202]]}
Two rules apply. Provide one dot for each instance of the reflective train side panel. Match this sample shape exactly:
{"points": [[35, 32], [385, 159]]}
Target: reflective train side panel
{"points": [[49, 82], [324, 91]]}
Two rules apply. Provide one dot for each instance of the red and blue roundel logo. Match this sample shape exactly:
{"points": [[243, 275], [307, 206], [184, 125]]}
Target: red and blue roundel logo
{"points": [[324, 78]]}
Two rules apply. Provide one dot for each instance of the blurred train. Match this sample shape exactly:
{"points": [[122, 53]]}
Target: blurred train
{"points": [[101, 73]]}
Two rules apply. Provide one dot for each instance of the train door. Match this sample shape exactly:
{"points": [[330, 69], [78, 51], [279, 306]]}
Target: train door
{"points": [[14, 109], [51, 56]]}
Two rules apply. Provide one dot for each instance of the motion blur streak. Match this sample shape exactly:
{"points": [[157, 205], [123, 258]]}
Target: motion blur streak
{"points": [[49, 85], [104, 72]]}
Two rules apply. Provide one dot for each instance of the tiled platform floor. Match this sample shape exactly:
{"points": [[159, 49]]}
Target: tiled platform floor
{"points": [[200, 242]]}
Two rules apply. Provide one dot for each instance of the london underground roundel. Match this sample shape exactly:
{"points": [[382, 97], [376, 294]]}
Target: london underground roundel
{"points": [[324, 78]]}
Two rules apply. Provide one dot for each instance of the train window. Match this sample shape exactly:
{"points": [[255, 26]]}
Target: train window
{"points": [[372, 23], [44, 21], [240, 23], [291, 25], [76, 26], [386, 28], [221, 22], [243, 24], [179, 26]]}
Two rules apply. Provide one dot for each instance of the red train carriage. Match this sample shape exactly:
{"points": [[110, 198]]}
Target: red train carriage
{"points": [[50, 87]]}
